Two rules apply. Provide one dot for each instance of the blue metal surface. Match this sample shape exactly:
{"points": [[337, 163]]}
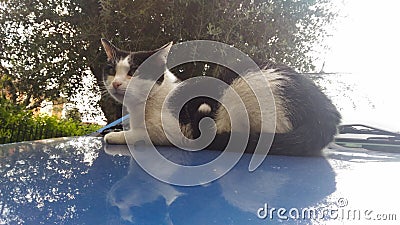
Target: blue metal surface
{"points": [[83, 181]]}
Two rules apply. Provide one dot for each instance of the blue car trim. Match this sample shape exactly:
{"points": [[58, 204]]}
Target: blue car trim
{"points": [[116, 122]]}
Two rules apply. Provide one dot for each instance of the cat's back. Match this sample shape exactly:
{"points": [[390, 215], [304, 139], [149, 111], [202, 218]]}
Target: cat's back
{"points": [[306, 119]]}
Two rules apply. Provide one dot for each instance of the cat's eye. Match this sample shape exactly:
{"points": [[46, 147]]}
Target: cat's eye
{"points": [[132, 71], [110, 70]]}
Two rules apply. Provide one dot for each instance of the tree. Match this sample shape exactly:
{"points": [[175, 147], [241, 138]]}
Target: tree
{"points": [[47, 46], [74, 115], [40, 52]]}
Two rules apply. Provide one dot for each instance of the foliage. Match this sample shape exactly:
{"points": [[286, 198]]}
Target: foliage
{"points": [[40, 49], [19, 124], [47, 46], [282, 31], [74, 114]]}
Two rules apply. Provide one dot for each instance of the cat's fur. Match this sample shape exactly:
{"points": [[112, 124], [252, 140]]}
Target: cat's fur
{"points": [[306, 119]]}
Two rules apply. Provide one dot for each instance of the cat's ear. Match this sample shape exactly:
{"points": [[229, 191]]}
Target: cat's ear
{"points": [[162, 53], [110, 49], [167, 46]]}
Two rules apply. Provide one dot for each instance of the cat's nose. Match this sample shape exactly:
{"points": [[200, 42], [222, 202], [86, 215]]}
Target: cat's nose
{"points": [[116, 84]]}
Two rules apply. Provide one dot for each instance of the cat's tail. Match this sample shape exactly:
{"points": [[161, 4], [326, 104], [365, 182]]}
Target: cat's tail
{"points": [[199, 110], [204, 109]]}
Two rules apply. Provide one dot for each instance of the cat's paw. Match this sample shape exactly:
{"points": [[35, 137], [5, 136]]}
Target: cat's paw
{"points": [[137, 138], [115, 138]]}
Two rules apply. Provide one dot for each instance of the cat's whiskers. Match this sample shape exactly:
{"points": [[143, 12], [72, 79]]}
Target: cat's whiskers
{"points": [[104, 92]]}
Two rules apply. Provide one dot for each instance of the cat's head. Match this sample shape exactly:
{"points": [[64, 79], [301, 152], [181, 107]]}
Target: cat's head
{"points": [[122, 66]]}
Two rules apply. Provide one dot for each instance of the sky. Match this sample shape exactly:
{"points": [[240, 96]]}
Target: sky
{"points": [[369, 36], [365, 46]]}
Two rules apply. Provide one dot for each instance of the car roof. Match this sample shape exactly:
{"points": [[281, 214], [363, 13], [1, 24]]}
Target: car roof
{"points": [[83, 181]]}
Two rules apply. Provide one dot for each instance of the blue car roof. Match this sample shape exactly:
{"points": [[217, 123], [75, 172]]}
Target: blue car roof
{"points": [[83, 181]]}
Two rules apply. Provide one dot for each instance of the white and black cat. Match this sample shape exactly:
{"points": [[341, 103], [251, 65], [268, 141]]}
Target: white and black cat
{"points": [[306, 120]]}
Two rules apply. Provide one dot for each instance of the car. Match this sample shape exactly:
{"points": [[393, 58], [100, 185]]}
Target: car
{"points": [[82, 180], [348, 48]]}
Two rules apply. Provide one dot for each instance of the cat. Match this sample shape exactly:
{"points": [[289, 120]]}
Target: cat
{"points": [[306, 119]]}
